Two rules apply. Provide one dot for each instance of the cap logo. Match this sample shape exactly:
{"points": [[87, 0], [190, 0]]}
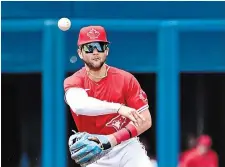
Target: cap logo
{"points": [[93, 34]]}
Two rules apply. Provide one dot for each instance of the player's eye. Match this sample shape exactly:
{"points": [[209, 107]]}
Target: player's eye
{"points": [[88, 49], [100, 46]]}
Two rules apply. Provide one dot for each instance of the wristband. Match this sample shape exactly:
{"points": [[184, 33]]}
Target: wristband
{"points": [[132, 129], [121, 135], [126, 133]]}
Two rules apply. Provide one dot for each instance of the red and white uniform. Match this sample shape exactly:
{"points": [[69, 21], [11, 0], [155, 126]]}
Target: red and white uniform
{"points": [[192, 158], [119, 87]]}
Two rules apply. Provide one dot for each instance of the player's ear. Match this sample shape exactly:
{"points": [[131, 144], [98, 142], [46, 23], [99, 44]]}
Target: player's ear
{"points": [[79, 52]]}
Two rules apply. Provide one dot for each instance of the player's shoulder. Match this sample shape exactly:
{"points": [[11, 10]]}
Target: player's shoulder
{"points": [[76, 76], [213, 153], [120, 73], [188, 152]]}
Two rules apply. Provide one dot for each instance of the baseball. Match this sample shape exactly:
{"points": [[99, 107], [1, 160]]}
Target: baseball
{"points": [[64, 24]]}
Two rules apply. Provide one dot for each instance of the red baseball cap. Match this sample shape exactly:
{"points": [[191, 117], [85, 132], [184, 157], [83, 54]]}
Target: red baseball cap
{"points": [[204, 140], [92, 34]]}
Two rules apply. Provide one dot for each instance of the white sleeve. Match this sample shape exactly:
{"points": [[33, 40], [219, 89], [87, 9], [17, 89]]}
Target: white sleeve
{"points": [[82, 104]]}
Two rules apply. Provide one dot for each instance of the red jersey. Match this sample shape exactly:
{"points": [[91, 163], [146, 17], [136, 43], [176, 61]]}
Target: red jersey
{"points": [[119, 87], [192, 158]]}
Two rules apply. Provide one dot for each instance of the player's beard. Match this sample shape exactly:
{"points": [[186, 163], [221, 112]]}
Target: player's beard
{"points": [[95, 66]]}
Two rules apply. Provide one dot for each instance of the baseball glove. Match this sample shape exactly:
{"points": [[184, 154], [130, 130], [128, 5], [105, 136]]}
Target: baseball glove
{"points": [[87, 148]]}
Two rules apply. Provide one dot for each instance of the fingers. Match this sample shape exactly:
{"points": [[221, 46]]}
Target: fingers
{"points": [[138, 117], [89, 156], [86, 152], [132, 118], [72, 139], [132, 114], [93, 138], [77, 146], [82, 151]]}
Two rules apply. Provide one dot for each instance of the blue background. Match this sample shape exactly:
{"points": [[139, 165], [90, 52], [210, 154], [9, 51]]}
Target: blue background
{"points": [[165, 38]]}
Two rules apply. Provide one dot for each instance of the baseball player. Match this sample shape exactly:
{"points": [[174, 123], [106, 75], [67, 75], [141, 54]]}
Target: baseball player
{"points": [[108, 106], [202, 155]]}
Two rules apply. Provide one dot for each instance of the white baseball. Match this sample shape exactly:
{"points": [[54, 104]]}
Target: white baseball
{"points": [[64, 24]]}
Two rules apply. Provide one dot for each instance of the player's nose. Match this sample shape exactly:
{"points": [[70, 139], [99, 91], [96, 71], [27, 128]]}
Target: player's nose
{"points": [[95, 51]]}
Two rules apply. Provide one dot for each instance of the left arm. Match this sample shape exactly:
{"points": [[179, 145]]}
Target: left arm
{"points": [[135, 98], [124, 134], [94, 144], [145, 124]]}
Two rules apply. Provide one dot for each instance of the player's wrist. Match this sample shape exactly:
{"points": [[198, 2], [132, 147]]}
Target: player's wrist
{"points": [[114, 106], [119, 107], [112, 140], [125, 133]]}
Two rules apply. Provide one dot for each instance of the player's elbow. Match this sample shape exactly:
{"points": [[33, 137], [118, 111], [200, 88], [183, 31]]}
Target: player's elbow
{"points": [[75, 98], [149, 120], [149, 123], [145, 126], [77, 108]]}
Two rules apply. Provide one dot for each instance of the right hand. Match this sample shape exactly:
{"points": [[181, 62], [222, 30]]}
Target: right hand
{"points": [[132, 114]]}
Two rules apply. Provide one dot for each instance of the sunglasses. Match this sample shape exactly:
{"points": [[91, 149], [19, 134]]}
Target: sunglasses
{"points": [[100, 46]]}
